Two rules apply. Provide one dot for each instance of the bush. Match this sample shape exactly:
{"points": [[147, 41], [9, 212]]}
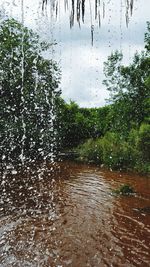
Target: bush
{"points": [[91, 151], [115, 152], [109, 150], [124, 190], [144, 142], [134, 153]]}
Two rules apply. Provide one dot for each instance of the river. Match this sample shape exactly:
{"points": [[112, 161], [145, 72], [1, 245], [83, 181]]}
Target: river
{"points": [[69, 217]]}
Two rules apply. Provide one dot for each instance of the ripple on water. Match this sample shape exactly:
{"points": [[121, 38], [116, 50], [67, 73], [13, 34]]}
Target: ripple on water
{"points": [[75, 221]]}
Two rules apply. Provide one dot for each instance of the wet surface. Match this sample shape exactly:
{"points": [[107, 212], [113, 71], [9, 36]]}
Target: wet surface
{"points": [[68, 217]]}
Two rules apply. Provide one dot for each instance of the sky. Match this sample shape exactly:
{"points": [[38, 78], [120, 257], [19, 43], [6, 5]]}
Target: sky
{"points": [[81, 63]]}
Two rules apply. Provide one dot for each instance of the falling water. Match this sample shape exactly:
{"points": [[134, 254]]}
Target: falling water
{"points": [[22, 156], [29, 137], [33, 128]]}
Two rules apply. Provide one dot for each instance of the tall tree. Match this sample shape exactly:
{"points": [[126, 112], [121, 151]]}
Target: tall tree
{"points": [[129, 86]]}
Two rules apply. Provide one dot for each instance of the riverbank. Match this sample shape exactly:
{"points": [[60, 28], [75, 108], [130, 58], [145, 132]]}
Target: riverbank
{"points": [[114, 152]]}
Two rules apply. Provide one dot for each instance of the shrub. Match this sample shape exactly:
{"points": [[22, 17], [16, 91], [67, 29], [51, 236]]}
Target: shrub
{"points": [[115, 151], [91, 151], [124, 190], [144, 142], [134, 153]]}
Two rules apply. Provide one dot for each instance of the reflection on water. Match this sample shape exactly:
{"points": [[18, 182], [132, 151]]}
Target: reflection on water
{"points": [[70, 218]]}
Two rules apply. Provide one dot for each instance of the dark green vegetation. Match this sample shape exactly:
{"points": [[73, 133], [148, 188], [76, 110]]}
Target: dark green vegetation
{"points": [[78, 124], [36, 122], [118, 135], [124, 190], [29, 93]]}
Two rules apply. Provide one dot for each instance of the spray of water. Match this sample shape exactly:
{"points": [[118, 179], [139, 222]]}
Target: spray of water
{"points": [[22, 156]]}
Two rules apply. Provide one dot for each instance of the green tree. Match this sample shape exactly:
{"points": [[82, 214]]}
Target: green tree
{"points": [[79, 124], [144, 142], [29, 89], [147, 37], [129, 87], [72, 124]]}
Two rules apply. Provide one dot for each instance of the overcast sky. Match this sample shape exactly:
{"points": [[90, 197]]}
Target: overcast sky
{"points": [[80, 62]]}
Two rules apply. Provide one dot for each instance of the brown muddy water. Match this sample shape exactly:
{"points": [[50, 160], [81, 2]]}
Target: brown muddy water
{"points": [[68, 217]]}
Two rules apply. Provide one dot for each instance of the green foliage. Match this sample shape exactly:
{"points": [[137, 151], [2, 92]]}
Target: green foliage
{"points": [[144, 142], [124, 129], [116, 152], [79, 124], [124, 190], [147, 37], [72, 125], [91, 151], [109, 150], [129, 88], [29, 89], [114, 79], [118, 134]]}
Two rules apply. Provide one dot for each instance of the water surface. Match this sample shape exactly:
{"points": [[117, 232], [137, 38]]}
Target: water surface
{"points": [[69, 217]]}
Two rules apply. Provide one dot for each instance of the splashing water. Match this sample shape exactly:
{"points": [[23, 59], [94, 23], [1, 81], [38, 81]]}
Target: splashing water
{"points": [[29, 91], [22, 156]]}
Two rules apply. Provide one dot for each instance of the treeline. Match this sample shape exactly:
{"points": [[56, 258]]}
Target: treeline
{"points": [[94, 135], [79, 124], [117, 135], [36, 123]]}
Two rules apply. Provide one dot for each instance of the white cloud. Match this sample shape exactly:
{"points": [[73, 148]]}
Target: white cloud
{"points": [[82, 64]]}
